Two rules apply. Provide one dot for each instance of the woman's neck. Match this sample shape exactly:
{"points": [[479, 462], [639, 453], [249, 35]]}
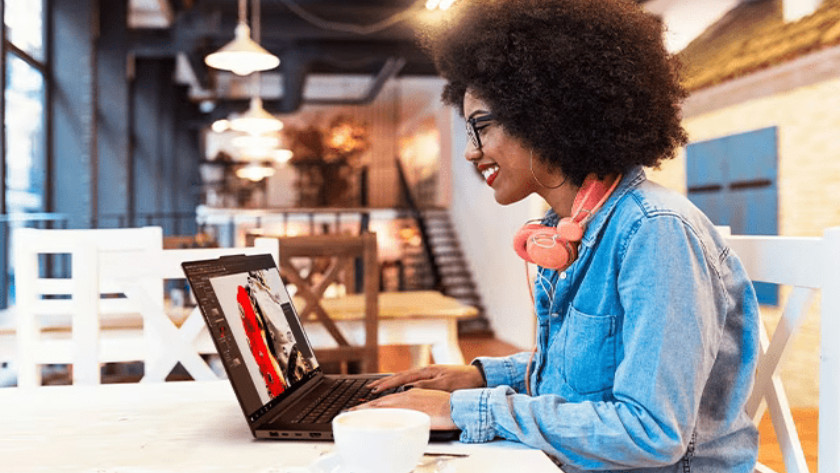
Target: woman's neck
{"points": [[560, 199]]}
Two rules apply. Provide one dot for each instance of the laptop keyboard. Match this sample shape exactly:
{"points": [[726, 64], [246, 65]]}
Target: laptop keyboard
{"points": [[342, 395]]}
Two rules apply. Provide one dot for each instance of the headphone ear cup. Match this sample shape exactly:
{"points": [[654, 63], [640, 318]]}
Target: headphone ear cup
{"points": [[547, 253], [570, 230], [520, 240]]}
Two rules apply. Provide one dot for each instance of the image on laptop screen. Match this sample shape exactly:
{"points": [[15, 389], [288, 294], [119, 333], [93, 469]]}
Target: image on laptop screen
{"points": [[266, 329]]}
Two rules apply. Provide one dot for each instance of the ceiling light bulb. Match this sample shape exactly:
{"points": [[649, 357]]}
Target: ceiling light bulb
{"points": [[256, 120], [242, 56], [445, 4], [281, 156], [432, 4], [255, 172], [255, 141], [220, 126]]}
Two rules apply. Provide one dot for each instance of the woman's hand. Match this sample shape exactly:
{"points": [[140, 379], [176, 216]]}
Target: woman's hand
{"points": [[441, 377], [432, 402]]}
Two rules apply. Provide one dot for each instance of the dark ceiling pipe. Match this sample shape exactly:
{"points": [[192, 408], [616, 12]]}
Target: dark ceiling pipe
{"points": [[391, 68], [293, 89]]}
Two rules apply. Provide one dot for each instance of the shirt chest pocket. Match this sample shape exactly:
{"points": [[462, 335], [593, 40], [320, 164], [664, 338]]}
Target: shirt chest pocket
{"points": [[590, 346]]}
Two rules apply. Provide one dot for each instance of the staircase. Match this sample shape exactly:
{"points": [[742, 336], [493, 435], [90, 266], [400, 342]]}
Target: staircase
{"points": [[442, 265], [436, 261]]}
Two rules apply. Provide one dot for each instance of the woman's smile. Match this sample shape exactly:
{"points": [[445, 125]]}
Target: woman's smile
{"points": [[489, 172]]}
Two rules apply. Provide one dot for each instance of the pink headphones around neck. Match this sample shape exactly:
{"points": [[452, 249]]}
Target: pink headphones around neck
{"points": [[557, 247]]}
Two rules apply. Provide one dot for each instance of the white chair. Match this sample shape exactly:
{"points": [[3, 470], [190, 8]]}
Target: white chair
{"points": [[113, 329], [808, 264], [58, 319], [182, 344]]}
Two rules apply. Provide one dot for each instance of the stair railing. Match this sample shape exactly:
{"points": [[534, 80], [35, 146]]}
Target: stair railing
{"points": [[420, 220]]}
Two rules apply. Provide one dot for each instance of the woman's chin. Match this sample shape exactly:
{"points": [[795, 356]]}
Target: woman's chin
{"points": [[503, 199]]}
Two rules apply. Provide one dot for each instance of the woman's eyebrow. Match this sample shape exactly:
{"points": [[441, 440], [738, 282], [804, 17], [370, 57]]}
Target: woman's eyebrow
{"points": [[477, 112]]}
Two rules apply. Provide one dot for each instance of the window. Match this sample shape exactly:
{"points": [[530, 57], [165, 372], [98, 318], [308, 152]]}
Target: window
{"points": [[24, 20], [734, 181], [25, 137], [23, 156]]}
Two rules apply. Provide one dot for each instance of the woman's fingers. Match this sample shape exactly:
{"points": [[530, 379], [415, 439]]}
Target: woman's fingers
{"points": [[434, 403], [400, 379]]}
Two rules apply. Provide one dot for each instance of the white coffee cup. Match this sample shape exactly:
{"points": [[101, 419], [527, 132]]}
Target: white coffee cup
{"points": [[380, 440]]}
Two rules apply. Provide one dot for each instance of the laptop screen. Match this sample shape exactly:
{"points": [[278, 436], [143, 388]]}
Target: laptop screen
{"points": [[256, 328]]}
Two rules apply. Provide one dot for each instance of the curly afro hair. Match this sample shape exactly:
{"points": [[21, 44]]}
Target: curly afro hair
{"points": [[587, 84]]}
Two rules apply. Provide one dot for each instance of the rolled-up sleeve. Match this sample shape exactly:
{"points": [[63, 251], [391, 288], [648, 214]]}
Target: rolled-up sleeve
{"points": [[505, 371]]}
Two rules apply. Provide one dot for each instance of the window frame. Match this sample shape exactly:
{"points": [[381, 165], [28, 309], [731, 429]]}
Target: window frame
{"points": [[42, 67]]}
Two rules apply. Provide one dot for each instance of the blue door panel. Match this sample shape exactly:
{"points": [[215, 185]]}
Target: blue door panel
{"points": [[760, 208], [713, 205], [704, 163], [757, 156], [733, 181]]}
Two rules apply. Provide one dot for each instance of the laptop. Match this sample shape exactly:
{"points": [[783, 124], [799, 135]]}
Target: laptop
{"points": [[266, 354]]}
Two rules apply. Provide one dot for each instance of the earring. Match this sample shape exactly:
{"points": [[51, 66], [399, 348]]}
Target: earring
{"points": [[531, 167]]}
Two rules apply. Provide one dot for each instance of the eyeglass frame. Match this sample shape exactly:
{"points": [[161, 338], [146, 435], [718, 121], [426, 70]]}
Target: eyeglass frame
{"points": [[472, 128]]}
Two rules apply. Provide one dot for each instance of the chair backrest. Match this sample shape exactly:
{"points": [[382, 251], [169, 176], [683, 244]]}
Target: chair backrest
{"points": [[330, 260], [112, 263], [55, 303], [185, 342], [809, 265]]}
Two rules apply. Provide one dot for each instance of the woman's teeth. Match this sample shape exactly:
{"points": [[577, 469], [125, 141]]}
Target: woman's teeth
{"points": [[489, 171]]}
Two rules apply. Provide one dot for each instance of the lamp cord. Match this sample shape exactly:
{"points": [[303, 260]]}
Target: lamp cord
{"points": [[256, 81], [242, 15], [350, 27]]}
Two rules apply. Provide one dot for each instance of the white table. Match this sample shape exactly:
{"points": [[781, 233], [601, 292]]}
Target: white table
{"points": [[176, 427]]}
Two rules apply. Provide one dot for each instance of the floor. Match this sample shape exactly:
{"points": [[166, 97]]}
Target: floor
{"points": [[397, 358]]}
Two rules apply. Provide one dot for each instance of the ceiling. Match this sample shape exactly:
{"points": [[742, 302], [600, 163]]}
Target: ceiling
{"points": [[372, 40], [317, 41]]}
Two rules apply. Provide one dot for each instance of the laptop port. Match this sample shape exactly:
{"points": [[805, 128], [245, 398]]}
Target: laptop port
{"points": [[315, 434], [274, 434]]}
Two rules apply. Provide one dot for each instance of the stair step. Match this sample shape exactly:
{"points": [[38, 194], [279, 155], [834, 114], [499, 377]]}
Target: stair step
{"points": [[457, 281], [457, 292], [455, 271]]}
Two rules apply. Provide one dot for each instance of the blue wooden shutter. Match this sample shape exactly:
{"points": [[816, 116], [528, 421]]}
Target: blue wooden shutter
{"points": [[734, 181]]}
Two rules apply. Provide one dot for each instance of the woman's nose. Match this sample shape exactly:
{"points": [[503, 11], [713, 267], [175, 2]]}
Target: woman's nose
{"points": [[471, 153]]}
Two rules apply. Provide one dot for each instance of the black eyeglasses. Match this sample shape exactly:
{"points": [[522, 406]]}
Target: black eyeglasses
{"points": [[473, 128]]}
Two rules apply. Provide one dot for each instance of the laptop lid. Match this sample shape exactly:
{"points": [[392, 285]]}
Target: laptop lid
{"points": [[255, 328]]}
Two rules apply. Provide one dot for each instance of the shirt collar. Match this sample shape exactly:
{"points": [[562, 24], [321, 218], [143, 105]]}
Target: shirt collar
{"points": [[629, 181]]}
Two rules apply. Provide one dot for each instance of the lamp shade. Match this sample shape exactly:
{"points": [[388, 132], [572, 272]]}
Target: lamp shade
{"points": [[242, 56], [256, 120]]}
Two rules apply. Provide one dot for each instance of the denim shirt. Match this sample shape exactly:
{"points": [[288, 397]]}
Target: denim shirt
{"points": [[646, 350]]}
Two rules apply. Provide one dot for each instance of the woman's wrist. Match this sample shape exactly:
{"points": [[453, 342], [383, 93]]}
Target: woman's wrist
{"points": [[480, 368]]}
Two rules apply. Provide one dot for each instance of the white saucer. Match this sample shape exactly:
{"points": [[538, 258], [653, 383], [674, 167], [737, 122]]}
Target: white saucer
{"points": [[330, 463]]}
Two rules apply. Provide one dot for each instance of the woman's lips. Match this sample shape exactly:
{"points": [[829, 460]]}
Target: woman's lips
{"points": [[489, 172]]}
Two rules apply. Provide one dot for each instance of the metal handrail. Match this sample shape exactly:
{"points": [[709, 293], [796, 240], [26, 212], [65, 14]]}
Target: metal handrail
{"points": [[417, 215]]}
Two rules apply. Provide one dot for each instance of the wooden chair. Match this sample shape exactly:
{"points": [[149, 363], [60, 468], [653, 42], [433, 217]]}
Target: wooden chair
{"points": [[66, 321], [809, 265], [329, 260]]}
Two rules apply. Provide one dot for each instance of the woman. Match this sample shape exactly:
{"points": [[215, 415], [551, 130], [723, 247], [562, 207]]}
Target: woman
{"points": [[647, 337]]}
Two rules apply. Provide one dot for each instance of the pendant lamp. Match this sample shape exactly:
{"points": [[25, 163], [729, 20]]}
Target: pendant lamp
{"points": [[256, 120], [255, 172], [242, 56]]}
